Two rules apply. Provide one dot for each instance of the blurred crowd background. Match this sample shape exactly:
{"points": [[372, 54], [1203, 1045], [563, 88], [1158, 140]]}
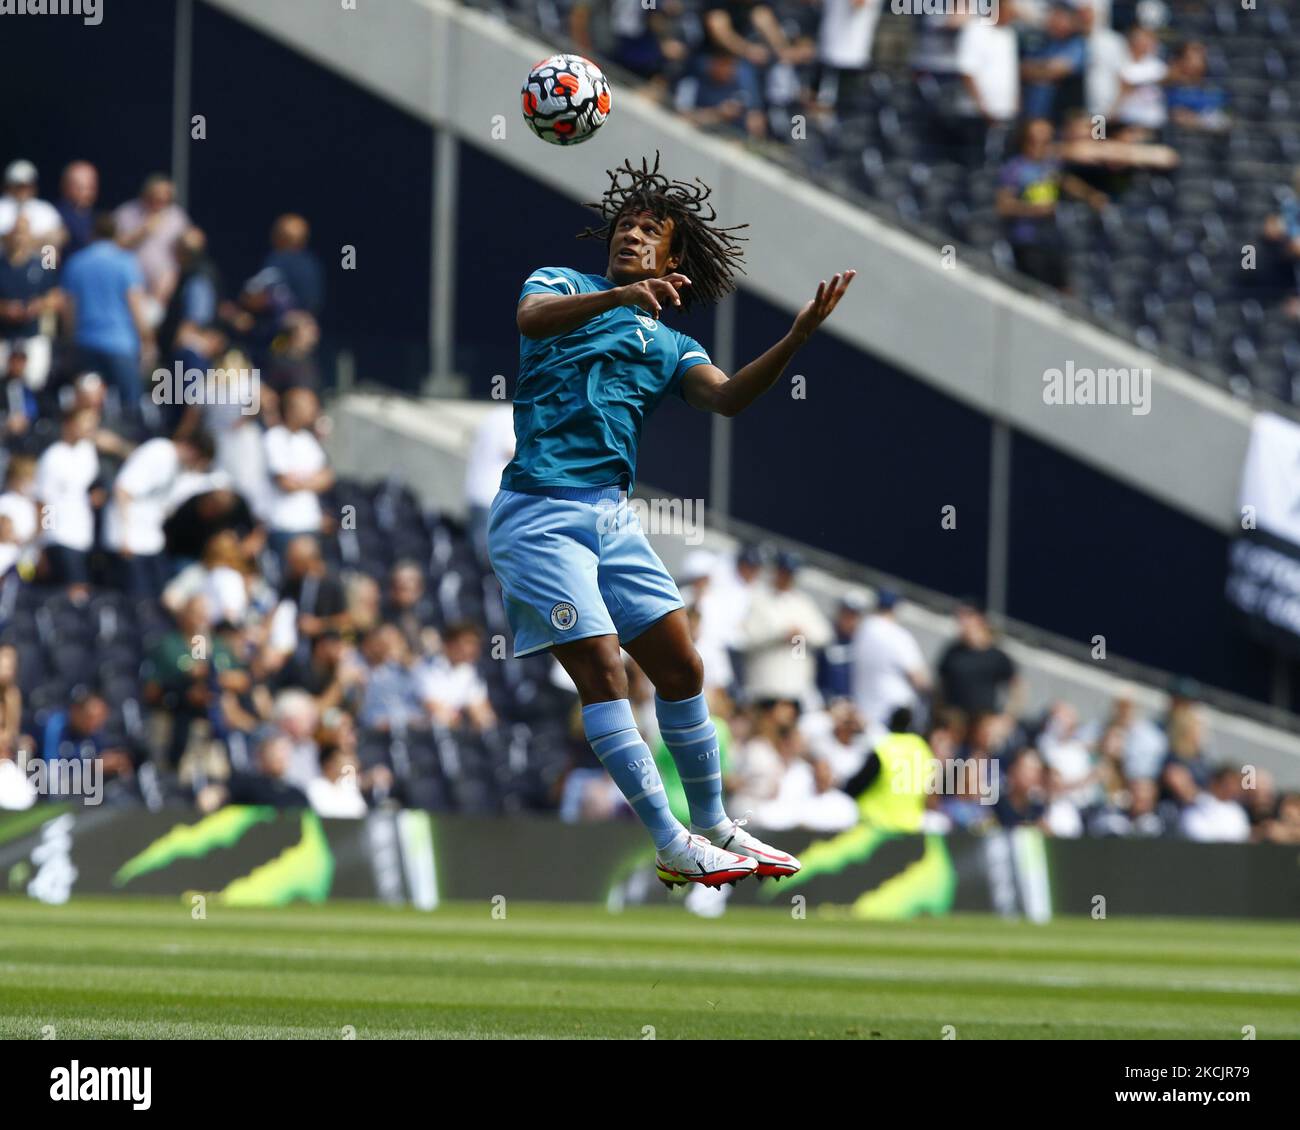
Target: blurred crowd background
{"points": [[193, 600]]}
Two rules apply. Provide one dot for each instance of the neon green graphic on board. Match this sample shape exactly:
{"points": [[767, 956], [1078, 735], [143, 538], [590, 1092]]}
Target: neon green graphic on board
{"points": [[222, 829], [304, 871]]}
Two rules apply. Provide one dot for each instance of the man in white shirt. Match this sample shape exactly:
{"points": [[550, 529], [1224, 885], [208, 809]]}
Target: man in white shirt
{"points": [[65, 474], [732, 585], [1216, 816], [844, 41], [17, 512], [783, 631], [889, 670], [298, 470], [144, 493], [492, 448], [1142, 95], [451, 688], [710, 631], [988, 60], [43, 220]]}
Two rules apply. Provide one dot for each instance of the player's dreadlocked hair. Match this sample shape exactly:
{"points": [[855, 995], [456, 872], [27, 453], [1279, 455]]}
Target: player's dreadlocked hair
{"points": [[709, 256]]}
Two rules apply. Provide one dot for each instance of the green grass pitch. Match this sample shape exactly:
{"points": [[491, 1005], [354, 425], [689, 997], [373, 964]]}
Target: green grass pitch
{"points": [[123, 968]]}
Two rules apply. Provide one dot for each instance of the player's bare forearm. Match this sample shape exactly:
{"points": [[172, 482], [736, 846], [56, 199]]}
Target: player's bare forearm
{"points": [[707, 387], [548, 315]]}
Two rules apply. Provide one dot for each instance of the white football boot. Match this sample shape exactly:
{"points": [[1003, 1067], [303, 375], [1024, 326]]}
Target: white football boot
{"points": [[730, 835], [695, 860]]}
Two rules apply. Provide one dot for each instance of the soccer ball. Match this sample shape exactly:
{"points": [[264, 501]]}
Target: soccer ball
{"points": [[566, 99]]}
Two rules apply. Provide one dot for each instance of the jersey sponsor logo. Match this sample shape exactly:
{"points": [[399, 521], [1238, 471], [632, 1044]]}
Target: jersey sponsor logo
{"points": [[563, 616]]}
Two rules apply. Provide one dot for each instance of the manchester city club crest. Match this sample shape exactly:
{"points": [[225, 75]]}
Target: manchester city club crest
{"points": [[648, 322], [564, 616]]}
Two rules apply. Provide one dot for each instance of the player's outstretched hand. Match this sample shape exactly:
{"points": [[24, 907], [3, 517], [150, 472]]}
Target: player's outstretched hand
{"points": [[653, 294], [819, 309]]}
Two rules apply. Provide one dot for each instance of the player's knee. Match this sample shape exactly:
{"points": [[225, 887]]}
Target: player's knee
{"points": [[684, 680]]}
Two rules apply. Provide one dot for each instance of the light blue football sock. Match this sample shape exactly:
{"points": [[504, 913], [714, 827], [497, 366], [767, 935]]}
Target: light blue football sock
{"points": [[689, 734], [611, 730]]}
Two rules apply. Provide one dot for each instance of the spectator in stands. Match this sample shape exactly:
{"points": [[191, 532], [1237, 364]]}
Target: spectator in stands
{"points": [[1029, 189], [333, 675], [1260, 799], [218, 575], [27, 294], [18, 405], [648, 40], [1023, 795], [1193, 101], [295, 717], [492, 448], [271, 784], [65, 478], [1285, 829], [316, 592], [844, 41], [835, 660], [1053, 65], [409, 608], [783, 632], [280, 305], [392, 701], [730, 594], [20, 199], [189, 333], [106, 314], [975, 675], [12, 738], [81, 731], [451, 687], [78, 194], [365, 605], [149, 226], [716, 93], [299, 470], [18, 518], [336, 792], [709, 630], [1216, 814], [1076, 769], [842, 744], [989, 63], [888, 669], [181, 675], [144, 492], [1141, 100], [1186, 770]]}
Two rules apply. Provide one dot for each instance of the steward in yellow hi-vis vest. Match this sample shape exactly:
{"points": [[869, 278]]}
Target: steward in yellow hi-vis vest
{"points": [[890, 786]]}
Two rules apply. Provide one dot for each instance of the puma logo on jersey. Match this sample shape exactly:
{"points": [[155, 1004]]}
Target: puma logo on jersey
{"points": [[645, 341]]}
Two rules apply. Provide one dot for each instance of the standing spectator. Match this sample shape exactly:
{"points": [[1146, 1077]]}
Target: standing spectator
{"points": [[1029, 190], [317, 594], [975, 675], [709, 632], [19, 199], [149, 226], [106, 316], [1054, 65], [848, 28], [188, 331], [889, 670], [783, 631], [835, 661], [78, 194], [647, 39], [731, 591], [1141, 100], [988, 61], [492, 448], [286, 294], [65, 474], [453, 691], [142, 497], [392, 702], [298, 468], [26, 294]]}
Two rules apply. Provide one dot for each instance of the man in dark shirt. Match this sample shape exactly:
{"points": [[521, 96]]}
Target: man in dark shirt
{"points": [[975, 675], [78, 190]]}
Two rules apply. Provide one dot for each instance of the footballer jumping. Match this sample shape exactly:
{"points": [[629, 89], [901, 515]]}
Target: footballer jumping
{"points": [[577, 573]]}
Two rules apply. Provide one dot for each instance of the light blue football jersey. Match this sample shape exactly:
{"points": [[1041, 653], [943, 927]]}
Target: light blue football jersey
{"points": [[582, 397]]}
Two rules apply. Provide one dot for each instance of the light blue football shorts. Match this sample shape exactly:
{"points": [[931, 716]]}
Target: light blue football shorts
{"points": [[575, 563]]}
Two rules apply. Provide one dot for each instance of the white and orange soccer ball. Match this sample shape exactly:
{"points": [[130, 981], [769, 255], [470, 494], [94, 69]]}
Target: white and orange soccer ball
{"points": [[566, 99]]}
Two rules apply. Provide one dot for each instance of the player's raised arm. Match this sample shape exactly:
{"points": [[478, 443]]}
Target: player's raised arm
{"points": [[548, 315], [707, 387]]}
